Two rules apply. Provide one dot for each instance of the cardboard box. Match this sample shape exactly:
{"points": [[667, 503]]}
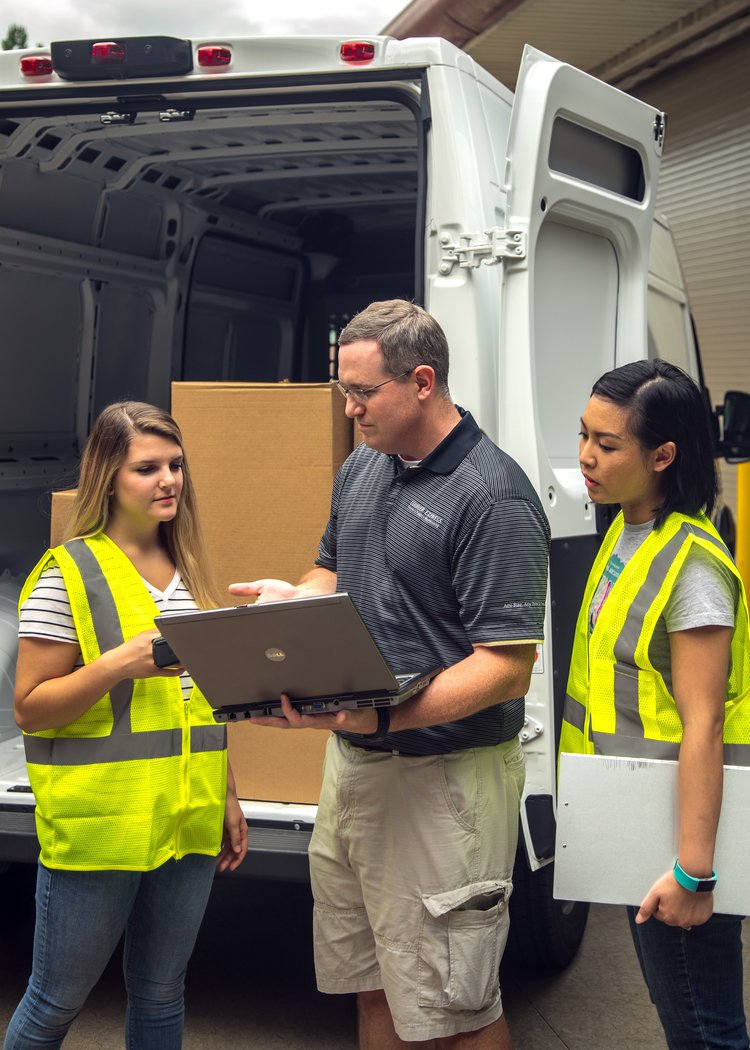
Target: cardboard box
{"points": [[62, 504], [263, 457], [276, 765]]}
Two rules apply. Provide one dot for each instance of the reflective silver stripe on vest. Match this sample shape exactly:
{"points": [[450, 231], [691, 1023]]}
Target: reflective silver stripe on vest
{"points": [[574, 712], [737, 754], [107, 626], [627, 713], [626, 747], [88, 750], [208, 738], [697, 531]]}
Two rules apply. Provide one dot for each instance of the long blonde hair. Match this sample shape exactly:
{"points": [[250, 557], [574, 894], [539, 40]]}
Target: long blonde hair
{"points": [[105, 452]]}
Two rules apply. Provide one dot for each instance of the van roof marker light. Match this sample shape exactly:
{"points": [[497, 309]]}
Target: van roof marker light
{"points": [[357, 52], [213, 55], [108, 51], [36, 66]]}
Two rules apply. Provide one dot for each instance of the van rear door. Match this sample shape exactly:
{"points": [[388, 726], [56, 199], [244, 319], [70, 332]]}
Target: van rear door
{"points": [[581, 171], [581, 176]]}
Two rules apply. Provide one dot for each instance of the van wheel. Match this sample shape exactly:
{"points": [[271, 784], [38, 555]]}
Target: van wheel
{"points": [[545, 933]]}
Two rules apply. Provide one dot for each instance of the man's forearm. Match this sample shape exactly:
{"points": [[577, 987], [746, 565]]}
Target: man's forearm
{"points": [[490, 675], [318, 581]]}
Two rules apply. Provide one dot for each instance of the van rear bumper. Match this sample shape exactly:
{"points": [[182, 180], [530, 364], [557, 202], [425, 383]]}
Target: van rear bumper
{"points": [[18, 841], [278, 836]]}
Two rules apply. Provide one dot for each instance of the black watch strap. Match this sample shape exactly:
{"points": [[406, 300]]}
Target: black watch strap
{"points": [[384, 723]]}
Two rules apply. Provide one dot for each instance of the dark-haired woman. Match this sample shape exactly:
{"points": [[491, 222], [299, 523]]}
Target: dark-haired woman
{"points": [[661, 669]]}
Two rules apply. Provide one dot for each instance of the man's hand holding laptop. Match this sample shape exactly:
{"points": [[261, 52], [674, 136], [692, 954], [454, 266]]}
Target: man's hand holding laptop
{"points": [[320, 581]]}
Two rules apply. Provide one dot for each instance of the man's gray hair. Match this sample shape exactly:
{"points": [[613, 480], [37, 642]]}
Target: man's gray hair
{"points": [[407, 336]]}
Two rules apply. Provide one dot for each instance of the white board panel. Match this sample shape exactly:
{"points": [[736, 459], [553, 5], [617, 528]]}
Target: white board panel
{"points": [[617, 831]]}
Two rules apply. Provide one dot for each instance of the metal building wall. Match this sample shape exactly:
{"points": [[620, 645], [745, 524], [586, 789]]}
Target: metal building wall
{"points": [[705, 192]]}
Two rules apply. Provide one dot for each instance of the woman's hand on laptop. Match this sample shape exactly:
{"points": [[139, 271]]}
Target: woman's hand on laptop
{"points": [[359, 721], [267, 590]]}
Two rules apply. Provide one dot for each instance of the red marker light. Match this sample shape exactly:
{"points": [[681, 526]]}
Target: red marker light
{"points": [[357, 52], [214, 56], [36, 66], [108, 51]]}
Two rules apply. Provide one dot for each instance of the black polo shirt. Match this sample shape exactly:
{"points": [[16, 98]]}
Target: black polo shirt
{"points": [[438, 558]]}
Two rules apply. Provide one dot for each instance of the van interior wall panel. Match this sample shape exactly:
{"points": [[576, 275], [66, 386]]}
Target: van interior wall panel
{"points": [[38, 392], [133, 225], [60, 205], [704, 189], [124, 326], [223, 247]]}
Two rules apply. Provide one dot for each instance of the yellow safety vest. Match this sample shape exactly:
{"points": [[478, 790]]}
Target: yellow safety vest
{"points": [[140, 777], [617, 703]]}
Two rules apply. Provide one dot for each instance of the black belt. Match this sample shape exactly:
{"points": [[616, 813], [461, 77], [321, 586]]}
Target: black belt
{"points": [[422, 754]]}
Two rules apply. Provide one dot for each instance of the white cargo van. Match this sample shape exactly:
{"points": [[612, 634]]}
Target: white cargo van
{"points": [[216, 209]]}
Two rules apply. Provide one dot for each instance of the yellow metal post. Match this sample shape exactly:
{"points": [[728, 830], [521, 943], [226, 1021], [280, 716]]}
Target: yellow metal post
{"points": [[742, 543]]}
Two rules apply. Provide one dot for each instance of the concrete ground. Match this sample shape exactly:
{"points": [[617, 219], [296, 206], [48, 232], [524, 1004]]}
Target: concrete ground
{"points": [[250, 983]]}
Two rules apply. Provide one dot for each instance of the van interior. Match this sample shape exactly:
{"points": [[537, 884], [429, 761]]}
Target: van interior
{"points": [[209, 239]]}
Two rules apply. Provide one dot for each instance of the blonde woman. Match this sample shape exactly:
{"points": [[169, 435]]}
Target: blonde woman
{"points": [[135, 800]]}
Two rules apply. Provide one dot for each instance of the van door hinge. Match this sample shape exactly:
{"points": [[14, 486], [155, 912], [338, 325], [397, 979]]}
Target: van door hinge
{"points": [[475, 249], [532, 729]]}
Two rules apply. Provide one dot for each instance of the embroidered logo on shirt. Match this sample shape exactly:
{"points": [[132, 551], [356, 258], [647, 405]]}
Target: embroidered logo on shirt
{"points": [[427, 516]]}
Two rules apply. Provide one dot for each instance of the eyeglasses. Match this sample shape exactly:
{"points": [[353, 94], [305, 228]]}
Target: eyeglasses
{"points": [[360, 394]]}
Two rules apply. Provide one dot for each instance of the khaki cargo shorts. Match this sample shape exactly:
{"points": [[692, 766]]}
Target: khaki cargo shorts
{"points": [[411, 862]]}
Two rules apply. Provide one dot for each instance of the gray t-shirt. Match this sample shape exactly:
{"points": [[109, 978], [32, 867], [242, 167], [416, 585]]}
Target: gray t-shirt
{"points": [[705, 594]]}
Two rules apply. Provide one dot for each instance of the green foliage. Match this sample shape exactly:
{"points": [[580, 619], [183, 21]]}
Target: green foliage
{"points": [[15, 37]]}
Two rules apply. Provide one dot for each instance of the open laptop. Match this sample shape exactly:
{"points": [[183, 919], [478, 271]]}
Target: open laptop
{"points": [[317, 650]]}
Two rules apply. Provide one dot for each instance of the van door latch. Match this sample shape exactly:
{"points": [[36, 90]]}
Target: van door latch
{"points": [[475, 249], [115, 117], [168, 116]]}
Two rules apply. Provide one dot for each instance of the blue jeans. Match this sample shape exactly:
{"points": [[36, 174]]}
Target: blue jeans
{"points": [[80, 918], [695, 981]]}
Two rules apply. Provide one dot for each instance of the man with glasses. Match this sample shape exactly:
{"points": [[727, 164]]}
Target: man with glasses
{"points": [[442, 543]]}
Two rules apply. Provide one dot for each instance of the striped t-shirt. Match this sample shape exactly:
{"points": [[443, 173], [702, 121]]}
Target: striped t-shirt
{"points": [[46, 613]]}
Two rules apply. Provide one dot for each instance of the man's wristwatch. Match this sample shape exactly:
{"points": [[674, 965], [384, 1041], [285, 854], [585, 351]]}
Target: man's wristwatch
{"points": [[689, 882], [384, 724]]}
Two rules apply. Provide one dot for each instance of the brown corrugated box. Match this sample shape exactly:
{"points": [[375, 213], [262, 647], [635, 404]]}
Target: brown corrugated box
{"points": [[62, 504], [263, 457]]}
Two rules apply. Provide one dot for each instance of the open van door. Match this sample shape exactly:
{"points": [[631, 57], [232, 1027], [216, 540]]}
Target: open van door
{"points": [[581, 173]]}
